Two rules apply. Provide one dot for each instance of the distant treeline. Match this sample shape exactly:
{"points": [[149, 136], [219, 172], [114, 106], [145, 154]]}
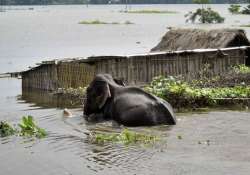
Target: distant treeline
{"points": [[51, 2]]}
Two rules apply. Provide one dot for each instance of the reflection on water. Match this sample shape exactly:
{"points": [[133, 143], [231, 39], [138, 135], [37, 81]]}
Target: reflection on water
{"points": [[45, 99]]}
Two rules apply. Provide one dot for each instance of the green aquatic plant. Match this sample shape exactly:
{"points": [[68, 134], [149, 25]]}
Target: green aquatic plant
{"points": [[125, 137], [29, 128], [6, 129]]}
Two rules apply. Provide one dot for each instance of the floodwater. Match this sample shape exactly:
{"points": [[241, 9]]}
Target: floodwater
{"points": [[215, 142], [47, 32]]}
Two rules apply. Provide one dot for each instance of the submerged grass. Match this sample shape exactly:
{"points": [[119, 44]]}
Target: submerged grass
{"points": [[126, 137], [151, 11], [245, 25], [98, 22]]}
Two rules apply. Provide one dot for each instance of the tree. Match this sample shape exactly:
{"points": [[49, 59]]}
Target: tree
{"points": [[204, 15]]}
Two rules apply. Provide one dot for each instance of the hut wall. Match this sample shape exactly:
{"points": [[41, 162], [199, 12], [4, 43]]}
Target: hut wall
{"points": [[134, 70], [64, 75], [43, 77], [137, 70], [74, 74]]}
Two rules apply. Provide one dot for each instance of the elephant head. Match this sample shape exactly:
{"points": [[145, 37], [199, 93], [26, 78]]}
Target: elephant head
{"points": [[98, 93]]}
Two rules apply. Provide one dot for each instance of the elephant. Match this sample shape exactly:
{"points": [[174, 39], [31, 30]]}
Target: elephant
{"points": [[110, 99]]}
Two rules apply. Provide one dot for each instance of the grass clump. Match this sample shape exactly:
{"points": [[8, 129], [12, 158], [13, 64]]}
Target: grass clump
{"points": [[245, 25], [125, 137], [6, 129], [151, 11], [29, 128], [94, 22]]}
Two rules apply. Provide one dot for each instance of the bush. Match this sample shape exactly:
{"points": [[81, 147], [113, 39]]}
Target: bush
{"points": [[234, 8], [246, 10]]}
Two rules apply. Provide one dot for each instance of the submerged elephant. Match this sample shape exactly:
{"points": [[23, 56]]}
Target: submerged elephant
{"points": [[108, 98]]}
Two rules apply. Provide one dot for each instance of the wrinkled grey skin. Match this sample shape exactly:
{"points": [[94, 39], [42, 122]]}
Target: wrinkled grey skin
{"points": [[109, 99]]}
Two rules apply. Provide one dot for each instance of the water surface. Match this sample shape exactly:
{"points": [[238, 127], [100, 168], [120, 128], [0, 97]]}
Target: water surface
{"points": [[215, 142]]}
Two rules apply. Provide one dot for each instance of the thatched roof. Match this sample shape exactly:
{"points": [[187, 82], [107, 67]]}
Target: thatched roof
{"points": [[188, 39]]}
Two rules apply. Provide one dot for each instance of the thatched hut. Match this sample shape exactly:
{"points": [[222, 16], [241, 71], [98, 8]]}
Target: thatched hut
{"points": [[189, 39]]}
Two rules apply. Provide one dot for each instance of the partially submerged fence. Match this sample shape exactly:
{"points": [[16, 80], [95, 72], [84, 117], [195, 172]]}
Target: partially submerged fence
{"points": [[135, 70]]}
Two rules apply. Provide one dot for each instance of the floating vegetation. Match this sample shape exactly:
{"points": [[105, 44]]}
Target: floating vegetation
{"points": [[6, 129], [125, 137], [151, 11], [28, 128], [97, 22], [183, 94]]}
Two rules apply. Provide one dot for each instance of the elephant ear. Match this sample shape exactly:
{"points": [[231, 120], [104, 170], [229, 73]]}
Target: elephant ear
{"points": [[103, 94]]}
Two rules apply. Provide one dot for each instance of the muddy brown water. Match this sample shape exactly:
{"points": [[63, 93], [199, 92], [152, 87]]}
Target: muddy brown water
{"points": [[215, 142]]}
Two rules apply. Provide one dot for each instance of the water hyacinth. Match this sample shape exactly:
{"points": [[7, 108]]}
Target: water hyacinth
{"points": [[6, 129], [29, 128], [182, 94], [125, 137]]}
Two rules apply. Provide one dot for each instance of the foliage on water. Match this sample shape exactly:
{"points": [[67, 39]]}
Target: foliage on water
{"points": [[27, 128], [97, 22], [6, 129], [183, 94], [125, 137]]}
